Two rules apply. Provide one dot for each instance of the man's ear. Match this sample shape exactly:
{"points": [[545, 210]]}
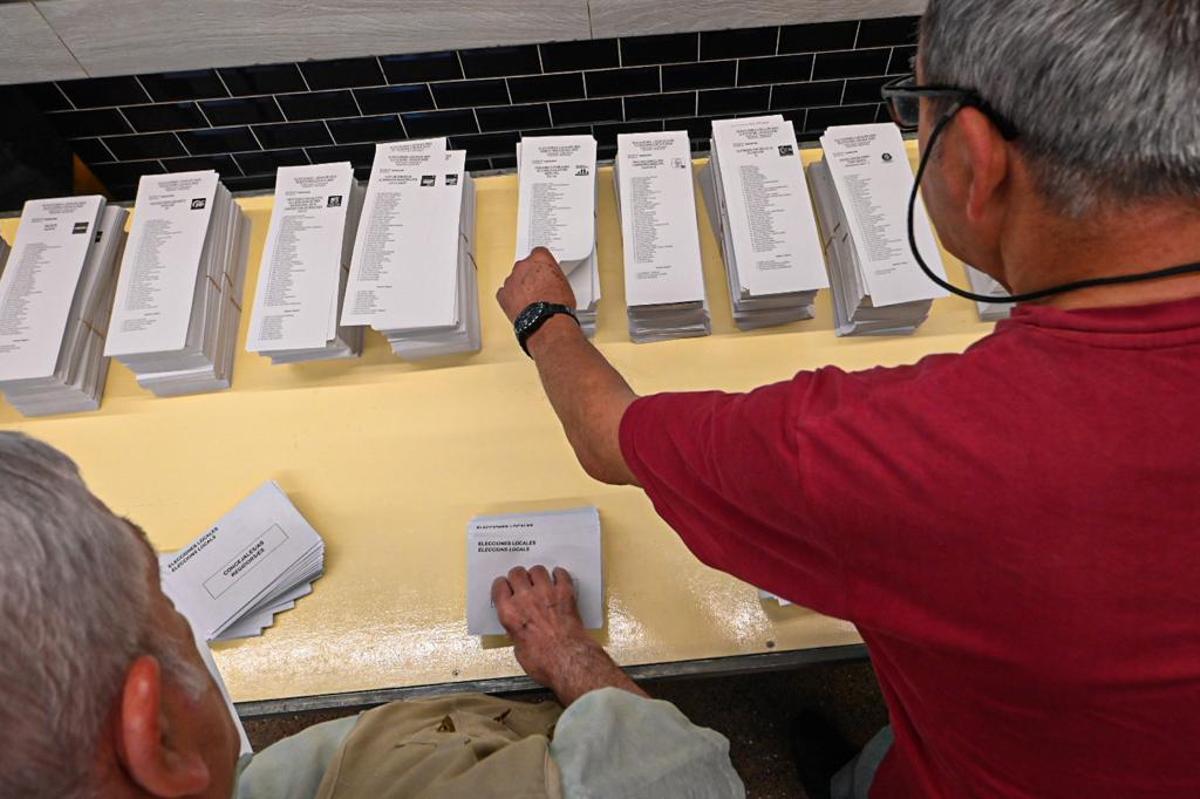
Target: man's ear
{"points": [[987, 164], [153, 758]]}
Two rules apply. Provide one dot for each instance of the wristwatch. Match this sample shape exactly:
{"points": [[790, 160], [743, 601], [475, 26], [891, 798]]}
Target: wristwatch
{"points": [[534, 316]]}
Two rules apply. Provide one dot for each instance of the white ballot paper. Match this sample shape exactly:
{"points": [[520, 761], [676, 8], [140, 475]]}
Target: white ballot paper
{"points": [[413, 275], [664, 275], [568, 538], [556, 209], [305, 264], [862, 190], [52, 247], [767, 596], [55, 300], [985, 284], [258, 558], [244, 747], [179, 292], [762, 211]]}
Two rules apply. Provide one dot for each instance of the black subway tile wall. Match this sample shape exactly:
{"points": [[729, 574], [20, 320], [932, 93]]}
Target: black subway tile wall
{"points": [[192, 85], [166, 116], [618, 82], [248, 121], [394, 99]]}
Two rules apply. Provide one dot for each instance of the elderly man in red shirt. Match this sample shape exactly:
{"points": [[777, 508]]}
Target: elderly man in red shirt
{"points": [[1014, 530]]}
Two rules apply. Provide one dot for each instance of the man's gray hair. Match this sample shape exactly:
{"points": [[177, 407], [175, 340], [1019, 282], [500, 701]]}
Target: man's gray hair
{"points": [[74, 613], [1105, 93]]}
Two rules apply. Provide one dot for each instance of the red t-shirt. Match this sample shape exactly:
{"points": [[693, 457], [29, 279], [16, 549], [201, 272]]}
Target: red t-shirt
{"points": [[1015, 531]]}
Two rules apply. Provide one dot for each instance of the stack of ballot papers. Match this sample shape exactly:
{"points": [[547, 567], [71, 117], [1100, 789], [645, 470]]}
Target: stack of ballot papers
{"points": [[759, 205], [568, 538], [862, 190], [256, 561], [985, 284], [244, 747], [556, 209], [305, 265], [413, 275], [55, 300], [179, 294], [664, 276]]}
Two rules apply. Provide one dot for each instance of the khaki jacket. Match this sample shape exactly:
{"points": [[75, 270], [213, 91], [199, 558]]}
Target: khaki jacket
{"points": [[470, 746]]}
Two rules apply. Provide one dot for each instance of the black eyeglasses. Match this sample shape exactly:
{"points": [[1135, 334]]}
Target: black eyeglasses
{"points": [[903, 97]]}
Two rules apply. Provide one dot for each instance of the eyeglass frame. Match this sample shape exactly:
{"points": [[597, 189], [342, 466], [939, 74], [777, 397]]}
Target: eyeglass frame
{"points": [[968, 98], [906, 86]]}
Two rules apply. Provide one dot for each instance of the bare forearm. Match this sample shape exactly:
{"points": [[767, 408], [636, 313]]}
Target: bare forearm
{"points": [[584, 668], [588, 394]]}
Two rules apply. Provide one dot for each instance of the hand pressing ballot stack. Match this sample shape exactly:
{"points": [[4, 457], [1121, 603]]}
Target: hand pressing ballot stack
{"points": [[759, 205], [179, 294], [664, 276], [556, 209], [305, 264], [862, 189], [256, 561], [566, 538], [55, 300], [413, 275], [985, 284]]}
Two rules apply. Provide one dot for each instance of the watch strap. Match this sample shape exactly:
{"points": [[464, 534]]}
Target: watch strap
{"points": [[536, 314]]}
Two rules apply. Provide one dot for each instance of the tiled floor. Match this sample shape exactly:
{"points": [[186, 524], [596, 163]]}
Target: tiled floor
{"points": [[753, 711]]}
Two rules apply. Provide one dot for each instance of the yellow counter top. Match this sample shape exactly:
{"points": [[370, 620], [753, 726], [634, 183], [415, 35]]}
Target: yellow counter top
{"points": [[389, 460]]}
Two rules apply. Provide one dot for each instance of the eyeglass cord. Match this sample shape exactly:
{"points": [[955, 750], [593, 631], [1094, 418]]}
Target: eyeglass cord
{"points": [[1112, 280]]}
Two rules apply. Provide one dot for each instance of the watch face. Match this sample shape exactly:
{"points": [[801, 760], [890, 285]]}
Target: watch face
{"points": [[530, 315]]}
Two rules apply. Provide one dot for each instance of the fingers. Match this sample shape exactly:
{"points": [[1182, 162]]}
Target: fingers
{"points": [[539, 257], [543, 255], [563, 581], [519, 579], [501, 591], [540, 577]]}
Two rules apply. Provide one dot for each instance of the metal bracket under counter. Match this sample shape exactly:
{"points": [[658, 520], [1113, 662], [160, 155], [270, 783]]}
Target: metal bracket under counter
{"points": [[763, 663]]}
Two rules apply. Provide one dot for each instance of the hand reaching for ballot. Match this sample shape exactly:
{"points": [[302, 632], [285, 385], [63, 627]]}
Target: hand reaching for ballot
{"points": [[537, 278], [538, 611]]}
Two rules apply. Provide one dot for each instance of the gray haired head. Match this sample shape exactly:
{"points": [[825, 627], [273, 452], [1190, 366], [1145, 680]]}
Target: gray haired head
{"points": [[74, 613], [1105, 93]]}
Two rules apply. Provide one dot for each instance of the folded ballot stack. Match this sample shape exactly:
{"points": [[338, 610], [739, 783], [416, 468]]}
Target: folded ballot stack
{"points": [[759, 205], [179, 294], [664, 275], [413, 275], [862, 190], [569, 539], [256, 561], [556, 209], [305, 265], [55, 300], [985, 284]]}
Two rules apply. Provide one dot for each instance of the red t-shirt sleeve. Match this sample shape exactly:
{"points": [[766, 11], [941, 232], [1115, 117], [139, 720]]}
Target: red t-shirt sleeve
{"points": [[759, 484], [721, 470]]}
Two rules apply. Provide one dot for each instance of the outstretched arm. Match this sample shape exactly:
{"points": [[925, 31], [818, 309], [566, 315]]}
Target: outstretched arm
{"points": [[586, 392]]}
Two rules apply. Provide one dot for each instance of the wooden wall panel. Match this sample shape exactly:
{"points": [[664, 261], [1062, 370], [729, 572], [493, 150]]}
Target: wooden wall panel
{"points": [[115, 37], [29, 49]]}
